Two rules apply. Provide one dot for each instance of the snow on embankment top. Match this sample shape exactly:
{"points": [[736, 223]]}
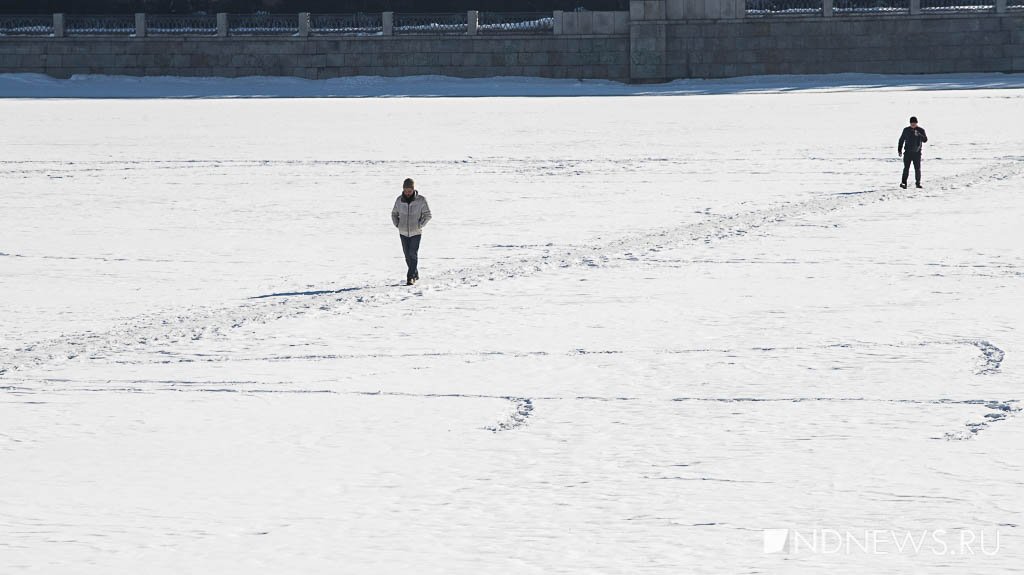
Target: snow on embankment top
{"points": [[97, 86]]}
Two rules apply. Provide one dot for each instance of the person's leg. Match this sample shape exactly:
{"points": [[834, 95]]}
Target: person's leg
{"points": [[917, 169], [413, 256], [410, 260], [906, 168]]}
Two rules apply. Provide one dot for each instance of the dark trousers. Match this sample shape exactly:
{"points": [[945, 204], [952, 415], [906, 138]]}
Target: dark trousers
{"points": [[912, 159], [411, 249]]}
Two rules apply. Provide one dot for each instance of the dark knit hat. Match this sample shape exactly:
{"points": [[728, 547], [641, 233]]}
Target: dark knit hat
{"points": [[913, 119], [408, 183]]}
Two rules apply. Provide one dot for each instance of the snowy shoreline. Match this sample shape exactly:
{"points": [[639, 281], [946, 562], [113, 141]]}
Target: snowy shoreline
{"points": [[101, 86]]}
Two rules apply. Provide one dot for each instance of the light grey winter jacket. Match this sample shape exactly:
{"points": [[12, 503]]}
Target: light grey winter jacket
{"points": [[410, 217]]}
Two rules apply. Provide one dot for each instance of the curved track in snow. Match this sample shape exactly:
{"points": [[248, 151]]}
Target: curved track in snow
{"points": [[148, 331]]}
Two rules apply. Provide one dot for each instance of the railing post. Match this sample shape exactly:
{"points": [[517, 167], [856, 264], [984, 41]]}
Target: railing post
{"points": [[915, 7], [59, 30], [140, 25], [388, 20], [826, 8], [472, 21], [303, 24], [1000, 6], [222, 24], [558, 21]]}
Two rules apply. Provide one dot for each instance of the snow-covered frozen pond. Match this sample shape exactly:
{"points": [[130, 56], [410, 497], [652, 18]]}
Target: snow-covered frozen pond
{"points": [[650, 328]]}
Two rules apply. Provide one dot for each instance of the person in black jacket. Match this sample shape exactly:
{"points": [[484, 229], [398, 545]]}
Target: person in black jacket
{"points": [[910, 149]]}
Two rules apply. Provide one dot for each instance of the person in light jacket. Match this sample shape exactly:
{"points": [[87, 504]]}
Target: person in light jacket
{"points": [[913, 137], [410, 214]]}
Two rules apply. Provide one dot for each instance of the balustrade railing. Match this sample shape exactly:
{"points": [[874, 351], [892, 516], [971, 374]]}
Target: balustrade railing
{"points": [[766, 7], [30, 24], [956, 5], [263, 24], [516, 23], [347, 24], [871, 6], [454, 23], [447, 23], [181, 24], [99, 24]]}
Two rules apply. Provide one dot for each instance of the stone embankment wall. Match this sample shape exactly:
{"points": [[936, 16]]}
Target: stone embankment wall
{"points": [[657, 40]]}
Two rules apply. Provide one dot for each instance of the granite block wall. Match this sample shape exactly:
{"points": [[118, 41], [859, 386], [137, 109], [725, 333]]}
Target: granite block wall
{"points": [[930, 44], [581, 56], [649, 46]]}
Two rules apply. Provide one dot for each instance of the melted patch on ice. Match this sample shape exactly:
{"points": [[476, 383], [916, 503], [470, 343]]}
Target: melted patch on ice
{"points": [[522, 408], [1001, 410], [991, 356]]}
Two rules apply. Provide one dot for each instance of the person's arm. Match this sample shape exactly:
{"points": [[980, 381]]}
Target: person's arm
{"points": [[924, 137], [903, 138], [394, 215], [424, 213]]}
